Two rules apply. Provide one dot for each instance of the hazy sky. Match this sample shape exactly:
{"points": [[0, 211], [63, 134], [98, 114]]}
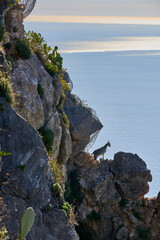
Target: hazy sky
{"points": [[141, 8]]}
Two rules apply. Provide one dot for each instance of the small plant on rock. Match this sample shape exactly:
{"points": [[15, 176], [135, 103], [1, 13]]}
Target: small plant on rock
{"points": [[74, 195], [15, 29], [143, 233], [66, 207], [2, 107], [40, 89], [65, 120], [5, 89], [3, 233], [56, 188], [27, 220], [47, 137], [56, 170], [23, 49], [51, 59], [7, 45]]}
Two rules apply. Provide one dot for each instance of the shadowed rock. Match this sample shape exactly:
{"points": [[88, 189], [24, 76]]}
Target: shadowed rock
{"points": [[26, 180], [131, 175], [98, 185], [83, 123]]}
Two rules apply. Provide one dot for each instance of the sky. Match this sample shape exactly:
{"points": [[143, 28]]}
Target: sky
{"points": [[140, 8]]}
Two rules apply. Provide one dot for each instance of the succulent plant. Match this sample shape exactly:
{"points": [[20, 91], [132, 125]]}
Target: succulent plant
{"points": [[27, 220]]}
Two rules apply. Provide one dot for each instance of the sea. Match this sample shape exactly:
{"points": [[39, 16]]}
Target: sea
{"points": [[115, 69]]}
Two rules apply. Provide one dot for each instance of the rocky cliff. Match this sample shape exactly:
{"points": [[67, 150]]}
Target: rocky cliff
{"points": [[107, 197]]}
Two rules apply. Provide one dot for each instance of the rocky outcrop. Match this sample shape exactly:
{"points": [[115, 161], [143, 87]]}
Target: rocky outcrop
{"points": [[14, 18], [3, 7], [131, 175], [98, 186], [26, 180], [83, 123], [108, 196], [113, 204], [34, 106]]}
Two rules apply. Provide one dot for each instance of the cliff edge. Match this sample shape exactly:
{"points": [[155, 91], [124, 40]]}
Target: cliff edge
{"points": [[44, 131]]}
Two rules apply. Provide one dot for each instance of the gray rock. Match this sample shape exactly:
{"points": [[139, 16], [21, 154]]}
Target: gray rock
{"points": [[98, 186], [3, 6], [67, 78], [131, 175], [158, 197], [122, 233], [55, 126], [59, 226], [26, 180], [83, 123], [66, 145], [30, 105], [14, 17]]}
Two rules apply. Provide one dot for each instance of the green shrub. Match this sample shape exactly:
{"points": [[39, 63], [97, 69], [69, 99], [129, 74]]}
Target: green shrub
{"points": [[15, 29], [40, 89], [2, 107], [47, 137], [2, 31], [143, 233], [7, 45], [66, 207], [54, 61], [56, 170], [22, 167], [4, 154], [123, 202], [3, 233], [5, 89], [56, 188], [65, 120], [94, 216], [23, 49], [137, 215], [61, 102], [75, 193], [144, 203]]}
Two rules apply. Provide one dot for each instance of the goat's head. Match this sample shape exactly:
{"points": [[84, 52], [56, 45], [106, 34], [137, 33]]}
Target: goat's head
{"points": [[108, 144]]}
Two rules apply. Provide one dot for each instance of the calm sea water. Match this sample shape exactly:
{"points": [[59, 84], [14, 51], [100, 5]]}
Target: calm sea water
{"points": [[116, 70]]}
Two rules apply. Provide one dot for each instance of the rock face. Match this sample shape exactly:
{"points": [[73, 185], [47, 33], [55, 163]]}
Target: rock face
{"points": [[14, 18], [83, 123], [98, 186], [131, 175], [26, 180], [113, 204], [27, 77], [3, 7], [108, 196]]}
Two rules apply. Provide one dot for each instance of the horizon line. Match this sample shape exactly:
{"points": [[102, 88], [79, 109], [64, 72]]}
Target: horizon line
{"points": [[94, 19]]}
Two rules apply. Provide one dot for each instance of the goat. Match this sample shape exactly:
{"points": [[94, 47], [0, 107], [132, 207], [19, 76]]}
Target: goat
{"points": [[101, 151]]}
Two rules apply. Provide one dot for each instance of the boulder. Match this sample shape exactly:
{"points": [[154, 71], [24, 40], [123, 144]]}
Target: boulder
{"points": [[27, 77], [26, 180], [122, 233], [98, 186], [83, 123], [54, 125], [65, 149], [131, 175]]}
